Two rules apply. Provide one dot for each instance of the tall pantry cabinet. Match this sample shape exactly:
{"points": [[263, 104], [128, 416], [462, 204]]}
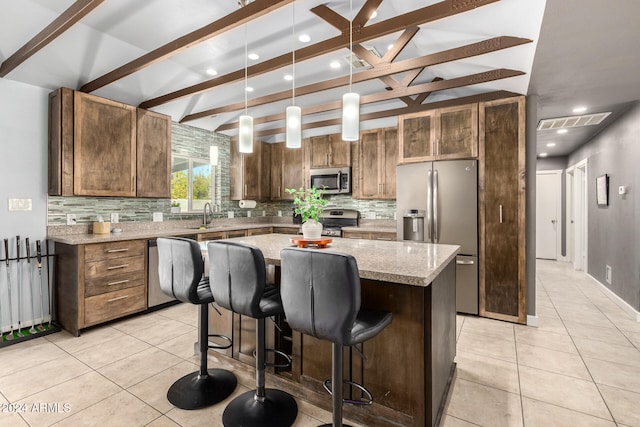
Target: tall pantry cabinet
{"points": [[502, 219]]}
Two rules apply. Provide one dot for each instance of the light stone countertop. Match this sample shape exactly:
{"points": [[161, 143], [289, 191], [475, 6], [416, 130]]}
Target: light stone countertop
{"points": [[408, 263]]}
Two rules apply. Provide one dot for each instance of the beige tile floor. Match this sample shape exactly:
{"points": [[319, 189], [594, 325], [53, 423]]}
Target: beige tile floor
{"points": [[580, 367]]}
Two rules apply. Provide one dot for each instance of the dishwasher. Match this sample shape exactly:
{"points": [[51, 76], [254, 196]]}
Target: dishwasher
{"points": [[155, 296]]}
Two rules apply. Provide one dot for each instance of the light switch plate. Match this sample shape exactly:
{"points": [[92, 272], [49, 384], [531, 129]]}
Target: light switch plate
{"points": [[115, 218], [23, 205], [230, 214], [157, 217], [71, 219], [248, 214]]}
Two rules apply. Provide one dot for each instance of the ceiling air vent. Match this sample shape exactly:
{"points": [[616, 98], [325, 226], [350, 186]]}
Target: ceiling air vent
{"points": [[357, 62], [572, 122]]}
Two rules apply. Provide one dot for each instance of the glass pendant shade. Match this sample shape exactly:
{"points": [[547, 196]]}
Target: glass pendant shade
{"points": [[293, 134], [350, 117], [245, 135]]}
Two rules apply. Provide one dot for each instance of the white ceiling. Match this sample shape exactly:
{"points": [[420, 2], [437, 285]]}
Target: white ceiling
{"points": [[581, 41]]}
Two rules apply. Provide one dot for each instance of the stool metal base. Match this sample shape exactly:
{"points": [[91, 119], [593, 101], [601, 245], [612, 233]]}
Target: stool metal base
{"points": [[279, 409], [195, 391]]}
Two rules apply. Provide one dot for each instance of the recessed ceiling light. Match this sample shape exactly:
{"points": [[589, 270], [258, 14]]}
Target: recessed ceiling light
{"points": [[249, 89], [390, 46], [543, 154], [304, 38], [335, 64], [253, 56], [551, 144], [561, 131], [288, 77], [211, 72], [374, 14], [580, 109]]}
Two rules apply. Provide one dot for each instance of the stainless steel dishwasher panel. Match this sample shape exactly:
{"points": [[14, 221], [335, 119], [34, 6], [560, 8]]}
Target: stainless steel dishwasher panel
{"points": [[155, 295], [467, 284]]}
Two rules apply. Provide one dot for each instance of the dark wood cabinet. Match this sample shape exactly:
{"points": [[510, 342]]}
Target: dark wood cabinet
{"points": [[61, 142], [374, 164], [104, 147], [153, 142], [328, 151], [442, 134], [276, 189], [249, 173], [287, 170], [502, 219]]}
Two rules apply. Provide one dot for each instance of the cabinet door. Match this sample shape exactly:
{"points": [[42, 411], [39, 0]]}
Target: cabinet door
{"points": [[235, 171], [292, 171], [340, 154], [389, 154], [320, 151], [369, 165], [154, 154], [458, 132], [104, 147], [249, 178], [61, 142], [276, 190], [417, 133], [502, 210]]}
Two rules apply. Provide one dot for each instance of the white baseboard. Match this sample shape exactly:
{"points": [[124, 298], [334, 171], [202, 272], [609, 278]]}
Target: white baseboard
{"points": [[616, 299], [532, 320]]}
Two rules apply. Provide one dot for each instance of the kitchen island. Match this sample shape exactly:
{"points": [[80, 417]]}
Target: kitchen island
{"points": [[408, 367]]}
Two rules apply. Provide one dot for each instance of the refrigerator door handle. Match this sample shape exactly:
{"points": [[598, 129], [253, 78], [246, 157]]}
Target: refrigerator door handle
{"points": [[429, 208], [435, 206]]}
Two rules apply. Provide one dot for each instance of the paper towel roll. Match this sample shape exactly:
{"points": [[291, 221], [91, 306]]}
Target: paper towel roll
{"points": [[247, 204]]}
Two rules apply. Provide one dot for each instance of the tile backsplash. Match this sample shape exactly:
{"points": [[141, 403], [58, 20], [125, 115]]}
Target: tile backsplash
{"points": [[195, 142]]}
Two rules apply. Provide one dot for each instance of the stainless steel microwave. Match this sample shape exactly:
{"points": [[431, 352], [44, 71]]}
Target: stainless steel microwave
{"points": [[332, 180]]}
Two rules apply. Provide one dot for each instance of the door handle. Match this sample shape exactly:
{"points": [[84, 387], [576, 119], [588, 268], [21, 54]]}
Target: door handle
{"points": [[461, 262], [500, 214]]}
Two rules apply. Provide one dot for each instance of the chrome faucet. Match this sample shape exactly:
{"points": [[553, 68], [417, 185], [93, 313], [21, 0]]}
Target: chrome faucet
{"points": [[204, 216]]}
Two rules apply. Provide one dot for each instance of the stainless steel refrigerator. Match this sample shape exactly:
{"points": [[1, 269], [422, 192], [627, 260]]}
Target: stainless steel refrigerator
{"points": [[437, 202]]}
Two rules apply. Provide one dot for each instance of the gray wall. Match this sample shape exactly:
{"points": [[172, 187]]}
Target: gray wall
{"points": [[614, 230]]}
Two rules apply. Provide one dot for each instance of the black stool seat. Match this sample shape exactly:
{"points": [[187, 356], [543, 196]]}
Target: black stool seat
{"points": [[181, 270], [321, 297], [238, 283]]}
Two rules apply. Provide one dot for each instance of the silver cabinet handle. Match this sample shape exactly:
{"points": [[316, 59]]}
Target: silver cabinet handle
{"points": [[115, 267], [118, 298], [500, 214], [111, 251], [461, 262], [119, 282], [383, 238]]}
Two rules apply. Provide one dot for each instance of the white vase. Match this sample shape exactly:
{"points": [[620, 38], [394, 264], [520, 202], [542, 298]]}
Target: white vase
{"points": [[311, 230]]}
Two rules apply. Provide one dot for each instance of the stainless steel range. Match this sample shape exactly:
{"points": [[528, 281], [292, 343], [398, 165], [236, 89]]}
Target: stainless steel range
{"points": [[334, 219]]}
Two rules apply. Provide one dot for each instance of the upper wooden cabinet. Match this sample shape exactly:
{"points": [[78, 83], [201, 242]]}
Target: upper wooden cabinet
{"points": [[287, 170], [153, 168], [104, 147], [249, 173], [442, 134], [502, 208], [99, 147], [329, 151], [374, 164]]}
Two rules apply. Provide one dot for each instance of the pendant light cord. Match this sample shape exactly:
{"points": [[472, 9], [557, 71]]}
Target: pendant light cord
{"points": [[293, 55], [245, 69]]}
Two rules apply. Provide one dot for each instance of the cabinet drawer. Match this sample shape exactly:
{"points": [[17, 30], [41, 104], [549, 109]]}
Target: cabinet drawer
{"points": [[113, 267], [355, 234], [258, 231], [286, 230], [111, 250], [103, 285], [382, 235], [112, 305]]}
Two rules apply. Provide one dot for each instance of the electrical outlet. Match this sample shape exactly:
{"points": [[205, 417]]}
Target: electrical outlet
{"points": [[71, 219], [248, 214], [157, 217], [279, 213], [115, 218], [230, 214], [607, 274]]}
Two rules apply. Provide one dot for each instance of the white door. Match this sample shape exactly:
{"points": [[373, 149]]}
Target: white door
{"points": [[580, 197], [548, 214]]}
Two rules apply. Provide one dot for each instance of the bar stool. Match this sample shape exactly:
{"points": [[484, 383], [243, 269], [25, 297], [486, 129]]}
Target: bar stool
{"points": [[181, 269], [321, 297], [238, 282]]}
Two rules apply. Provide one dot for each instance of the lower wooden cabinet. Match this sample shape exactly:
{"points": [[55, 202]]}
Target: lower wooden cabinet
{"points": [[99, 282], [369, 235], [502, 207]]}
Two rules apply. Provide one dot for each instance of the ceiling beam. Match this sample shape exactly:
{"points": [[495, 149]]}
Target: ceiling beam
{"points": [[235, 19], [473, 49], [62, 23], [484, 97], [417, 17], [436, 85]]}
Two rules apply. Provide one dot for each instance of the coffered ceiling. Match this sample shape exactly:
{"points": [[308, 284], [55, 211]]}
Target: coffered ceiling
{"points": [[157, 54]]}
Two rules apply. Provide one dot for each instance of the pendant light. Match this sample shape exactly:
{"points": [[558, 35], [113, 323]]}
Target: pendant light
{"points": [[293, 122], [351, 100], [245, 132]]}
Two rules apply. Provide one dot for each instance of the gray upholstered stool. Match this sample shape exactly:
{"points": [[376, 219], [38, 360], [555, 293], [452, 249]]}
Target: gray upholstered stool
{"points": [[321, 297], [181, 269], [238, 282]]}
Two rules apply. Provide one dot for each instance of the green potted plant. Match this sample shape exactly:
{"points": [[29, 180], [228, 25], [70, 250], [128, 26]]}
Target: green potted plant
{"points": [[309, 204], [175, 207]]}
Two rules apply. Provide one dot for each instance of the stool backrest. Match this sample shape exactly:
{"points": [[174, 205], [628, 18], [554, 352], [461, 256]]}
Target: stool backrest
{"points": [[320, 292], [180, 267], [237, 275]]}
